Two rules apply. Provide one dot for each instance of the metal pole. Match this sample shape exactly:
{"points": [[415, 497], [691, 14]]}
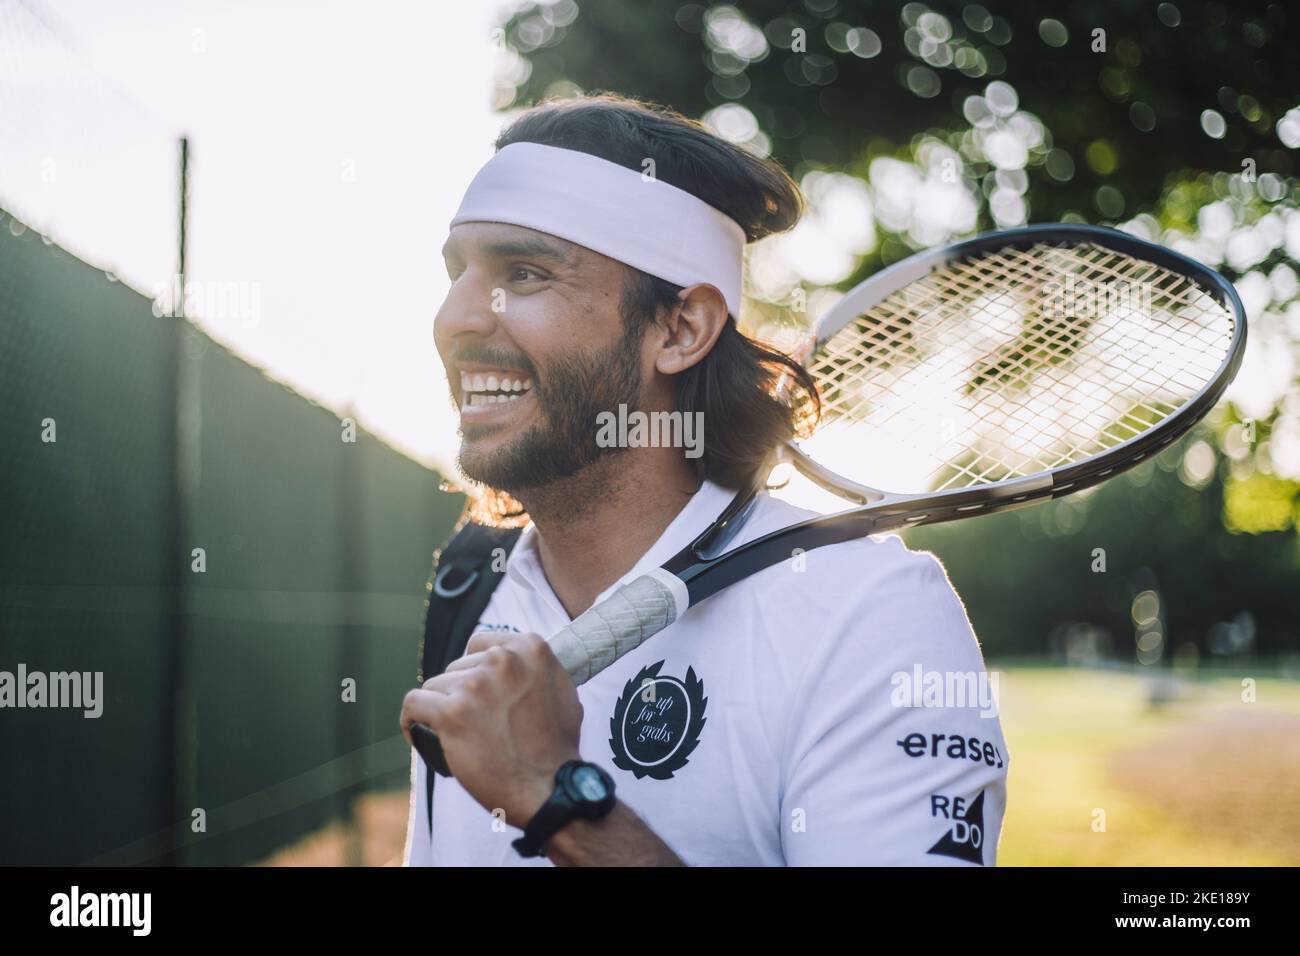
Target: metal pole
{"points": [[351, 658], [176, 726]]}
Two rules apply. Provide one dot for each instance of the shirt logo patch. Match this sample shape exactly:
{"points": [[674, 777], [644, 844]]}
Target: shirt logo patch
{"points": [[964, 838], [657, 723]]}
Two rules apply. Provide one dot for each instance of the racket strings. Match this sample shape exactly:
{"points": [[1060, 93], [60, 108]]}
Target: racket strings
{"points": [[1013, 363], [1015, 368]]}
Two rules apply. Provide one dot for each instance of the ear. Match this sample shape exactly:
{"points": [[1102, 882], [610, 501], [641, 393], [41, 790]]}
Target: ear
{"points": [[689, 329]]}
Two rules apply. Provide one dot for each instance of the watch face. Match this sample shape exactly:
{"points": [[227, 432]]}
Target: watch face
{"points": [[588, 783]]}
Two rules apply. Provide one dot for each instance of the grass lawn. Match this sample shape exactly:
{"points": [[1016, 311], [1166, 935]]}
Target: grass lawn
{"points": [[1206, 780]]}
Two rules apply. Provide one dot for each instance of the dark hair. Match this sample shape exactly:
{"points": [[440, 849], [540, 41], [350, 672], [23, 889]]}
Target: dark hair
{"points": [[763, 395]]}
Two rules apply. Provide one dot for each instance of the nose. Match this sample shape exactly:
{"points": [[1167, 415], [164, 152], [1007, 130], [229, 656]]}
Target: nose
{"points": [[466, 312]]}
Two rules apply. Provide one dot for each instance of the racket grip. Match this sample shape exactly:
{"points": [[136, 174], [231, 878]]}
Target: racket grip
{"points": [[429, 747], [595, 639], [606, 631]]}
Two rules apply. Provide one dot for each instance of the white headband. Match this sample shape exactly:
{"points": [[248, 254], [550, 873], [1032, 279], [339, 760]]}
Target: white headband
{"points": [[645, 223]]}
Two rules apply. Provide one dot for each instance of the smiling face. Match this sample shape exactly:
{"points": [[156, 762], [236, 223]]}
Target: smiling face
{"points": [[535, 347]]}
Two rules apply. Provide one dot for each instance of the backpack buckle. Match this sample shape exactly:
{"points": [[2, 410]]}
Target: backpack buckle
{"points": [[443, 590]]}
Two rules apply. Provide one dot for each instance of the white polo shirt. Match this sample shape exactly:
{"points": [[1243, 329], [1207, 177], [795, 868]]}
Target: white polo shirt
{"points": [[830, 710]]}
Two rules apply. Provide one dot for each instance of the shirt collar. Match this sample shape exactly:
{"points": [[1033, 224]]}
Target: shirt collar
{"points": [[524, 565]]}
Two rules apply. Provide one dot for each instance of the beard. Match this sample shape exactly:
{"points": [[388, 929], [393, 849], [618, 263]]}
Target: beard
{"points": [[575, 389]]}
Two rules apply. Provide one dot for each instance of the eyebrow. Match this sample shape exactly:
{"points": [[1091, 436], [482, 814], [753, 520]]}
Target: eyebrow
{"points": [[526, 248]]}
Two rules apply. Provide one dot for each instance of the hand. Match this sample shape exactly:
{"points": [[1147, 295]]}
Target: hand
{"points": [[507, 715]]}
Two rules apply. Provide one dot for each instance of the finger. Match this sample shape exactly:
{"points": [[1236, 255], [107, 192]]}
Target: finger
{"points": [[532, 648], [423, 707], [445, 682], [469, 660], [485, 639], [475, 683]]}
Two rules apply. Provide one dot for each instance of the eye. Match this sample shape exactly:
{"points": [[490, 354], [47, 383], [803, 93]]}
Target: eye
{"points": [[524, 274]]}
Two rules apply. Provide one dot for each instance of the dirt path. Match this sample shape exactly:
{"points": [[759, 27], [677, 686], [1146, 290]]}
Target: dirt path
{"points": [[1233, 775], [381, 818]]}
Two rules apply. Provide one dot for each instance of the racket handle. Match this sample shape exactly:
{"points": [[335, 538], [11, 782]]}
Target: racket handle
{"points": [[606, 631], [429, 747], [595, 639]]}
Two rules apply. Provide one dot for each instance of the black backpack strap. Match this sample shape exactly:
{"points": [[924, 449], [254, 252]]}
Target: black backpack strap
{"points": [[463, 580]]}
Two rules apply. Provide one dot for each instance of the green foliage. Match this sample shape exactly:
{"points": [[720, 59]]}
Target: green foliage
{"points": [[1261, 503], [1126, 117], [1030, 576]]}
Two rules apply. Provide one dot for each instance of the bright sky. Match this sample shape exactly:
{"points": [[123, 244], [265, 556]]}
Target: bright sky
{"points": [[330, 144]]}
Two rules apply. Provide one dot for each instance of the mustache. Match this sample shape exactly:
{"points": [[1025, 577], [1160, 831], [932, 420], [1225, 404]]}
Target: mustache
{"points": [[485, 354]]}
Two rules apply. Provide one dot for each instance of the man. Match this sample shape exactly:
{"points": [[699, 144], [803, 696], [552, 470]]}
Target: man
{"points": [[802, 716]]}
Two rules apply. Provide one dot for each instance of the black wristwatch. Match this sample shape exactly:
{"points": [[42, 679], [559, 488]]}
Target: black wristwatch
{"points": [[581, 790]]}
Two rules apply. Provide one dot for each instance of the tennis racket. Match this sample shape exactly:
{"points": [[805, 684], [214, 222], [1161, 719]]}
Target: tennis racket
{"points": [[988, 375]]}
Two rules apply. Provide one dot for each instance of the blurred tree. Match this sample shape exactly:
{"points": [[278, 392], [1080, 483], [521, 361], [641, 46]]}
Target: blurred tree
{"points": [[1035, 578], [1129, 92]]}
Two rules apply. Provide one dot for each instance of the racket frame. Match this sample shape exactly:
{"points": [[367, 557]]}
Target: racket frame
{"points": [[706, 569]]}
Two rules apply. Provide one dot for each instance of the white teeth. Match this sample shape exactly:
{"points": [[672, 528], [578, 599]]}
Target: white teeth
{"points": [[501, 388], [474, 399]]}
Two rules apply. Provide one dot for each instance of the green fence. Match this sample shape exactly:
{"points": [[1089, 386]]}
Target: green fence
{"points": [[225, 731]]}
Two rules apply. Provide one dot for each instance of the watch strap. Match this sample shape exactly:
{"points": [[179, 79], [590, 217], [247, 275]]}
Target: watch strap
{"points": [[560, 809], [554, 814]]}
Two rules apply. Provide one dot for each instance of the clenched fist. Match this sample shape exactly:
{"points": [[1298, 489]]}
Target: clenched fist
{"points": [[507, 715]]}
